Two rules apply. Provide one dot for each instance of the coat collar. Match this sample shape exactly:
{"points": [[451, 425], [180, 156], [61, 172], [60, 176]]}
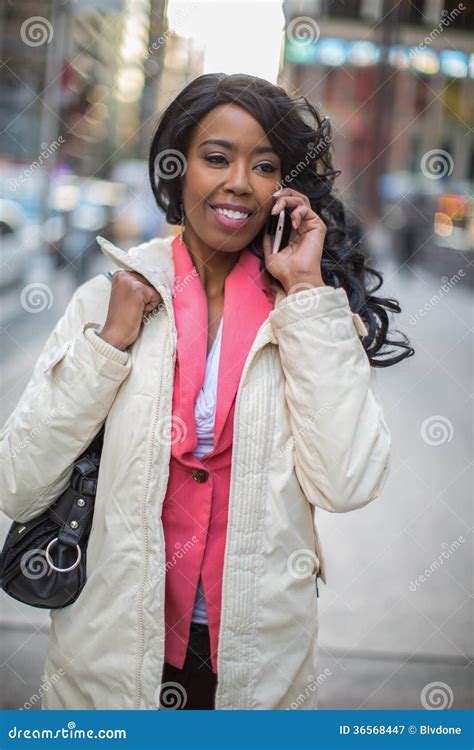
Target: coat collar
{"points": [[154, 260]]}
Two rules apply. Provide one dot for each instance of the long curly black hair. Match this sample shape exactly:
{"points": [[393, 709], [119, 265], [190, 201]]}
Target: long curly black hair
{"points": [[302, 139]]}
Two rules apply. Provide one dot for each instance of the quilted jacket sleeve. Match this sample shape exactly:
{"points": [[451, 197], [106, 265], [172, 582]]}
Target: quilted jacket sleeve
{"points": [[63, 406], [340, 438]]}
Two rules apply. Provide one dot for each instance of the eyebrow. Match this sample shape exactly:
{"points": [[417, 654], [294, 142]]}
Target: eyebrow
{"points": [[231, 146]]}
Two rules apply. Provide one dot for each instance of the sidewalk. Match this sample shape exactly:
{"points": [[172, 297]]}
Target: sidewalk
{"points": [[382, 637]]}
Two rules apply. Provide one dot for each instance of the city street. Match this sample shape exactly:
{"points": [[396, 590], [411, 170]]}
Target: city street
{"points": [[387, 629]]}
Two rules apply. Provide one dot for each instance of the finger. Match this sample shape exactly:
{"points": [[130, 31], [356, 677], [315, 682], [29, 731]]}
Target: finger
{"points": [[151, 296], [290, 202], [299, 215], [267, 246], [294, 193]]}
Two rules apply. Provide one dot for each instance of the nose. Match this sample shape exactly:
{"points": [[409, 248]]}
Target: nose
{"points": [[238, 179]]}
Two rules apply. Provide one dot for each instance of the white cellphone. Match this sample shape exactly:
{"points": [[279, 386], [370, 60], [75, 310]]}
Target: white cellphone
{"points": [[279, 232]]}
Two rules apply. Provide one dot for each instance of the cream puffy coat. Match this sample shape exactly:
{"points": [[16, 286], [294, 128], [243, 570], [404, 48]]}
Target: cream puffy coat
{"points": [[309, 432]]}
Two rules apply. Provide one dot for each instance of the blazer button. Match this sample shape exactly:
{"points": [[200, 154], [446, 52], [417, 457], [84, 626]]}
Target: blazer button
{"points": [[200, 475]]}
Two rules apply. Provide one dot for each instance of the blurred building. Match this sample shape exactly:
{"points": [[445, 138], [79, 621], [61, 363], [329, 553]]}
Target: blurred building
{"points": [[59, 75], [183, 61], [396, 80], [74, 72]]}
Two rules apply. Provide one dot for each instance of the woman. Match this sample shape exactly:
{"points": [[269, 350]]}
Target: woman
{"points": [[238, 390]]}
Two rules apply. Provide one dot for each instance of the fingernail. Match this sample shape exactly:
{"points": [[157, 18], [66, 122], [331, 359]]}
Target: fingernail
{"points": [[277, 192]]}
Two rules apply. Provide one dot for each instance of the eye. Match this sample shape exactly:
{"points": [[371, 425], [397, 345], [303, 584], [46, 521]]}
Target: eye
{"points": [[267, 167], [215, 158]]}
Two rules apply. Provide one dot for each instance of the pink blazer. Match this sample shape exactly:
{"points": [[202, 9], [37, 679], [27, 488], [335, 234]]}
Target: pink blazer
{"points": [[195, 508]]}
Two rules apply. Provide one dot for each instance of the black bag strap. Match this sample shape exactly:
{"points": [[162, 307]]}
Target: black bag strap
{"points": [[77, 503]]}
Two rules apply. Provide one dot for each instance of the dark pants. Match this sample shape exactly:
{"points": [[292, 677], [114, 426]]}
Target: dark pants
{"points": [[194, 686]]}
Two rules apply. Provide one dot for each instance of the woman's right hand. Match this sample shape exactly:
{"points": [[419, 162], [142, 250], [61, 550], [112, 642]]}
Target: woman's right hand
{"points": [[131, 299]]}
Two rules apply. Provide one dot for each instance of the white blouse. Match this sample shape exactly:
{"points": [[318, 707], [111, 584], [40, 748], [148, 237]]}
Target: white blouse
{"points": [[204, 415]]}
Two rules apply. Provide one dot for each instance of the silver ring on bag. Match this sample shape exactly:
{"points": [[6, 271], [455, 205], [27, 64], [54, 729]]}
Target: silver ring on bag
{"points": [[62, 570]]}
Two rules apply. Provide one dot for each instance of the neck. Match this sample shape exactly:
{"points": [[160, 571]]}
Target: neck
{"points": [[213, 266]]}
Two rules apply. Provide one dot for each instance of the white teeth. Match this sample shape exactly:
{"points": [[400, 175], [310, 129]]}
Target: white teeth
{"points": [[231, 214]]}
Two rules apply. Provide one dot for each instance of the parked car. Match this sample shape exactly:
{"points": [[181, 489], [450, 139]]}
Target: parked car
{"points": [[19, 239]]}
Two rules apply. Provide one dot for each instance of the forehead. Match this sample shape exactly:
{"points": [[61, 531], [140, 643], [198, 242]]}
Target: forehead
{"points": [[230, 122]]}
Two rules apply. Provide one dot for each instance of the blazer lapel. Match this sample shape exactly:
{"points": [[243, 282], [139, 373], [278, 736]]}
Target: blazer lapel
{"points": [[248, 300], [191, 318], [247, 303]]}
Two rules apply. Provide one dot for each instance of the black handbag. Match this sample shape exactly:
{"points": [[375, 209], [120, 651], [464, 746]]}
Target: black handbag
{"points": [[43, 561]]}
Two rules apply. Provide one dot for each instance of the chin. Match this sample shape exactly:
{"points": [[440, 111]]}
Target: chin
{"points": [[227, 245]]}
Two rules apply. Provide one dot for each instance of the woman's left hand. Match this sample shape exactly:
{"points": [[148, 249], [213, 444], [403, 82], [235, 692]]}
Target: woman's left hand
{"points": [[298, 264]]}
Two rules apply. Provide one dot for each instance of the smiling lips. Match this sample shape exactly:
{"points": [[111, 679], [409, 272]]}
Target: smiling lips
{"points": [[232, 218]]}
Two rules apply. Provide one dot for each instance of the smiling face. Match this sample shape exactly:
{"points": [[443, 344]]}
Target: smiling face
{"points": [[232, 171]]}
